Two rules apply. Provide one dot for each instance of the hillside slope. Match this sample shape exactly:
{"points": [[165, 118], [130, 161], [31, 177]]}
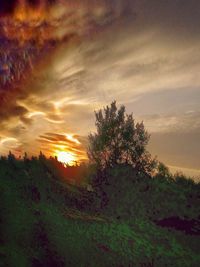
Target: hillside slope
{"points": [[41, 226]]}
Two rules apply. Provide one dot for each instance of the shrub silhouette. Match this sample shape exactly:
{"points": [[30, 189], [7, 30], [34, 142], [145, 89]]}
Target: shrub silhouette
{"points": [[163, 171]]}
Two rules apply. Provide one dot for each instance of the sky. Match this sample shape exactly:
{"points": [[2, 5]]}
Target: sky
{"points": [[61, 60]]}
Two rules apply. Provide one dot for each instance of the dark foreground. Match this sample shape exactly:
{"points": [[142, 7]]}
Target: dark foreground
{"points": [[47, 222]]}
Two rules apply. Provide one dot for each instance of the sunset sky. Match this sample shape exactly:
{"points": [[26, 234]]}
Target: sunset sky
{"points": [[61, 60]]}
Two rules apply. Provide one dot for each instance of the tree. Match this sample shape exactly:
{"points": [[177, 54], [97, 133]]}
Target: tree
{"points": [[11, 157], [42, 157], [163, 170], [119, 140]]}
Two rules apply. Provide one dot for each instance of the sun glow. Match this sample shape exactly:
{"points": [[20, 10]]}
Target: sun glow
{"points": [[66, 158]]}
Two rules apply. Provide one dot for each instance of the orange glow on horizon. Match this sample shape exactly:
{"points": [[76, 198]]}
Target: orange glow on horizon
{"points": [[66, 158]]}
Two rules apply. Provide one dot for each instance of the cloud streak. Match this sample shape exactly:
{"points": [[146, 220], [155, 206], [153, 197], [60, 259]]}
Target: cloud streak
{"points": [[144, 54]]}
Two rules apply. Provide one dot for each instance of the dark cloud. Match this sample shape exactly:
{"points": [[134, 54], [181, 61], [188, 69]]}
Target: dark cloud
{"points": [[37, 3], [12, 111], [179, 15], [7, 7]]}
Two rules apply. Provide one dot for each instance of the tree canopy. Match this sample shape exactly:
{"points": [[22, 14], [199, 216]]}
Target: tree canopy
{"points": [[119, 140]]}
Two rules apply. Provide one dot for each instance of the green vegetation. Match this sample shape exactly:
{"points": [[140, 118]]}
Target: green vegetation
{"points": [[46, 221], [118, 211]]}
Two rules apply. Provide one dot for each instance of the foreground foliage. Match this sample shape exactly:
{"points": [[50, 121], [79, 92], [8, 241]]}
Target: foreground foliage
{"points": [[45, 221]]}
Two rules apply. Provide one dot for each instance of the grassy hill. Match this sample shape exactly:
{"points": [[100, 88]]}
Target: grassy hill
{"points": [[45, 221]]}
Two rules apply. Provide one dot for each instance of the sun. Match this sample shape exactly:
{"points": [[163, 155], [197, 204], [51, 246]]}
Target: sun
{"points": [[66, 157]]}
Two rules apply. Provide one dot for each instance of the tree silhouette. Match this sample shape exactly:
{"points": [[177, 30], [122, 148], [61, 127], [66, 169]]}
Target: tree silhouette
{"points": [[11, 157], [163, 170], [119, 140]]}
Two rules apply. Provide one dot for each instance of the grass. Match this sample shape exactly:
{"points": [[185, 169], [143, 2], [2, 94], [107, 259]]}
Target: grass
{"points": [[40, 228]]}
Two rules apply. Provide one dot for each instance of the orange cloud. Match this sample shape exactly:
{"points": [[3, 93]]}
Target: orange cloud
{"points": [[63, 142]]}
